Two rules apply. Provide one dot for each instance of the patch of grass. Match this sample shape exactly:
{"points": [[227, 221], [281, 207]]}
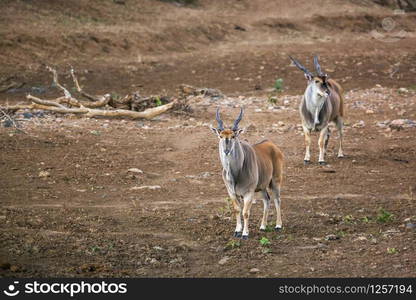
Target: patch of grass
{"points": [[391, 250], [264, 241], [226, 210], [365, 219], [269, 228], [232, 245], [266, 250], [158, 102], [340, 234], [95, 132], [278, 85], [95, 249], [115, 96], [384, 216], [184, 2], [348, 219], [272, 99]]}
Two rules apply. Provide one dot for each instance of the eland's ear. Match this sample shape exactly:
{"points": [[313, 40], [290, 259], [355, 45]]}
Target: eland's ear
{"points": [[215, 130], [239, 131]]}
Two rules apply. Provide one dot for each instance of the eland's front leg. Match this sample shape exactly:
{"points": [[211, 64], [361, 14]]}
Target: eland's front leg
{"points": [[248, 201], [237, 211]]}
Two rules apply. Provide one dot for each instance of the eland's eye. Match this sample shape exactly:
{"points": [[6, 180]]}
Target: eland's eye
{"points": [[317, 81]]}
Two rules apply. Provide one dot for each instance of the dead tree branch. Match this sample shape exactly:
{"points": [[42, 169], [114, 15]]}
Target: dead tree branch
{"points": [[80, 90], [69, 104], [90, 112]]}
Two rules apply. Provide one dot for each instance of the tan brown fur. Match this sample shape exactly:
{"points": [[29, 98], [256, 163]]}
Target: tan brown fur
{"points": [[333, 85]]}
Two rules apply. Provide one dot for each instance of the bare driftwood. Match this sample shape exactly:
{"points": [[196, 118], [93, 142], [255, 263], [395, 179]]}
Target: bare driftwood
{"points": [[91, 112], [91, 108]]}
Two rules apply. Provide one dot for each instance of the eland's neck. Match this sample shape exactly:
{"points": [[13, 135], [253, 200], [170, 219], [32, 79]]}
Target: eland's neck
{"points": [[314, 102], [233, 162]]}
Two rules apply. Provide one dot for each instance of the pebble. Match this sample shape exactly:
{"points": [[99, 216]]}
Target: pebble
{"points": [[331, 237], [224, 260], [360, 124], [149, 187], [135, 170], [44, 174], [254, 270], [411, 226]]}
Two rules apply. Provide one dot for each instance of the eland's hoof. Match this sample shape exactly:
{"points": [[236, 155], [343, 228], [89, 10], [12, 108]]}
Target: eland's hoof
{"points": [[244, 237], [306, 162], [322, 163], [278, 229], [341, 156], [237, 234]]}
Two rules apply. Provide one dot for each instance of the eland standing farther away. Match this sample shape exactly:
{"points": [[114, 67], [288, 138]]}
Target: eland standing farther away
{"points": [[321, 104], [248, 169]]}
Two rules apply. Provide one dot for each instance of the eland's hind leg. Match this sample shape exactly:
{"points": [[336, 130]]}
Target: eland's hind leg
{"points": [[266, 207], [275, 187], [339, 123]]}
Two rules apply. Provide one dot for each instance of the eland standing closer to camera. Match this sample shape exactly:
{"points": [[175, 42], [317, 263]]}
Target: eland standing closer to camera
{"points": [[248, 169]]}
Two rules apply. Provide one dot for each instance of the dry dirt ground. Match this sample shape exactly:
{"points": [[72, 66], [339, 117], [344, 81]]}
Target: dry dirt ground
{"points": [[70, 207]]}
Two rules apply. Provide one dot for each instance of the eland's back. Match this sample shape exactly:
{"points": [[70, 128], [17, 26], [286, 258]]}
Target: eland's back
{"points": [[270, 164]]}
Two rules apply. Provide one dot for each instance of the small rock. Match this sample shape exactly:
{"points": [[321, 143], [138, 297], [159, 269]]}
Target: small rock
{"points": [[360, 124], [149, 187], [44, 174], [27, 115], [15, 268], [251, 127], [254, 270], [331, 237], [7, 123], [411, 226], [135, 170], [224, 260], [402, 123], [403, 90], [5, 265], [258, 110], [369, 111]]}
